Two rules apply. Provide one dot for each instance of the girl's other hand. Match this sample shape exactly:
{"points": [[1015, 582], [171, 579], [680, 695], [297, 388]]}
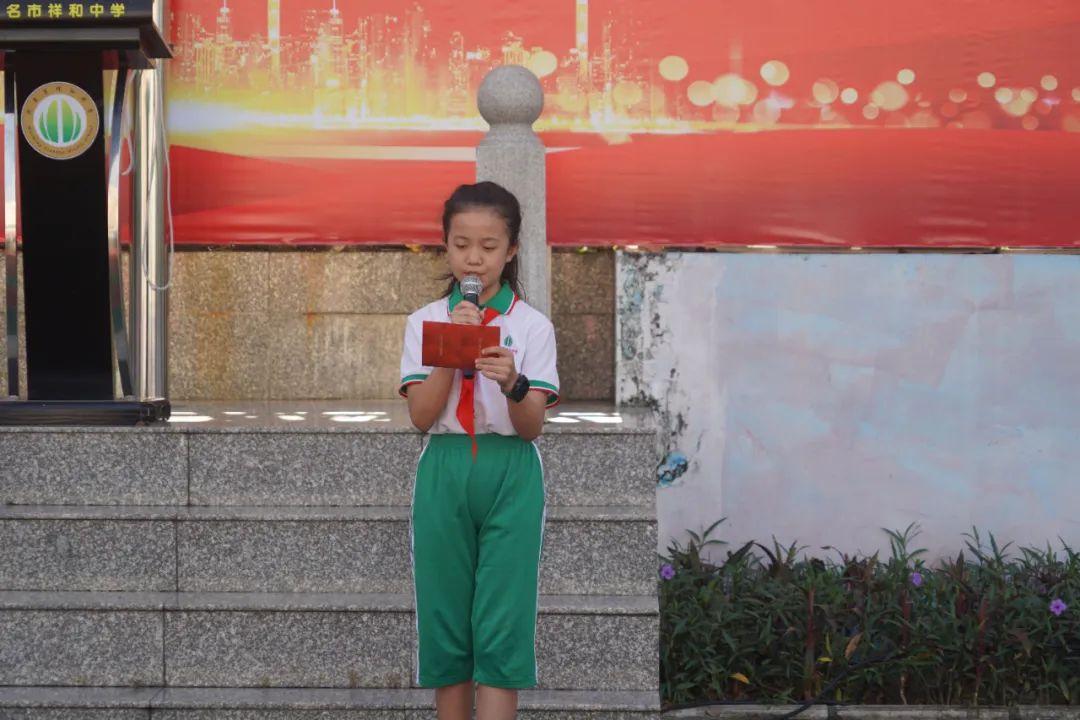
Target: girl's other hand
{"points": [[465, 313], [497, 363]]}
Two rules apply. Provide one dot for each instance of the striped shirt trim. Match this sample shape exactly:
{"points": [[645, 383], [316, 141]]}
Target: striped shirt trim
{"points": [[551, 390], [410, 380]]}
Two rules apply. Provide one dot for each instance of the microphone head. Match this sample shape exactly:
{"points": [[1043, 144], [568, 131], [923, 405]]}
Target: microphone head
{"points": [[471, 287]]}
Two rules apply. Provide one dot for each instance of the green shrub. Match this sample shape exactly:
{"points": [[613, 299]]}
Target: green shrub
{"points": [[769, 624]]}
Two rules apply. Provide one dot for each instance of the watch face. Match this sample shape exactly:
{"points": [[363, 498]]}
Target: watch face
{"points": [[520, 389]]}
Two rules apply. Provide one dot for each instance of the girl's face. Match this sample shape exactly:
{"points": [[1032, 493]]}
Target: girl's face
{"points": [[479, 244]]}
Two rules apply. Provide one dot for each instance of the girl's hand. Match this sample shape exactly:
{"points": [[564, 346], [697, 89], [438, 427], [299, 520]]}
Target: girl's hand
{"points": [[497, 363], [465, 313]]}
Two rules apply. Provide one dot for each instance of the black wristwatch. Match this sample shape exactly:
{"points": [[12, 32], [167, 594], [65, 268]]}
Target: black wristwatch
{"points": [[520, 389]]}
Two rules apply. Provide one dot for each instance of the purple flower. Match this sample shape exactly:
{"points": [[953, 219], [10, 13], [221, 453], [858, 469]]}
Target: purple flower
{"points": [[667, 572], [1058, 606], [916, 579]]}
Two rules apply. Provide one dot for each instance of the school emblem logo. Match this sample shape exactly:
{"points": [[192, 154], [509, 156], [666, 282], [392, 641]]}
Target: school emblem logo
{"points": [[60, 120]]}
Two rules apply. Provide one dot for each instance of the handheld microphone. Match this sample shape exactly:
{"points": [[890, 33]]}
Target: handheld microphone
{"points": [[471, 287]]}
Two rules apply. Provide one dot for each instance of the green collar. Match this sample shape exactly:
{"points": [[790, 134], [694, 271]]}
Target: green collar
{"points": [[502, 301]]}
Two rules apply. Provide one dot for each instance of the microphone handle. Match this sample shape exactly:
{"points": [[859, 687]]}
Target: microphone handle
{"points": [[475, 300]]}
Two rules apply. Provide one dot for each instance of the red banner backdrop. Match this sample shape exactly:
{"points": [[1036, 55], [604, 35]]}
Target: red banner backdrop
{"points": [[844, 123]]}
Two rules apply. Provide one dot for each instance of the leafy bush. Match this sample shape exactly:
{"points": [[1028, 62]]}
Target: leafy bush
{"points": [[771, 625]]}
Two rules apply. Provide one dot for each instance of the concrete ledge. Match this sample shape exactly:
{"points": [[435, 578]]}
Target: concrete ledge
{"points": [[107, 467], [412, 704], [310, 468], [261, 640], [364, 649], [301, 699], [875, 712], [747, 712], [306, 453], [645, 605], [279, 513], [81, 697], [81, 648], [74, 713], [86, 554], [603, 550]]}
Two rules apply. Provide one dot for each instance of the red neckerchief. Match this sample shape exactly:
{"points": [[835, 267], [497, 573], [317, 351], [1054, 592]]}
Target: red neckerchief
{"points": [[466, 407]]}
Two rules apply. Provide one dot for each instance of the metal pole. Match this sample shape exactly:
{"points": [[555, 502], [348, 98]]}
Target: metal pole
{"points": [[150, 268], [11, 258], [121, 344]]}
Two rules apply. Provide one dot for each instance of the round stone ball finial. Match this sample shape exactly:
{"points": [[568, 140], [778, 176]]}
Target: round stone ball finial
{"points": [[510, 95]]}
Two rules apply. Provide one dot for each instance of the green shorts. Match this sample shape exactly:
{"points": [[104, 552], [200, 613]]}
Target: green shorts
{"points": [[477, 531]]}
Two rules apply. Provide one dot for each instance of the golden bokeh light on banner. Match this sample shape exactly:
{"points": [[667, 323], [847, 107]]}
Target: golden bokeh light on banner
{"points": [[732, 90], [674, 68], [543, 63], [826, 91], [342, 122], [890, 96], [775, 73], [700, 93]]}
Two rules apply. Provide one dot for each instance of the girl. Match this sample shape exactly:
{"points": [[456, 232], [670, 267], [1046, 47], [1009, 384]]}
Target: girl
{"points": [[478, 502]]}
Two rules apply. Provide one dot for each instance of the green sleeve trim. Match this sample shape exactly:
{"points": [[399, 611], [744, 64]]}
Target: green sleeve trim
{"points": [[551, 390], [410, 380]]}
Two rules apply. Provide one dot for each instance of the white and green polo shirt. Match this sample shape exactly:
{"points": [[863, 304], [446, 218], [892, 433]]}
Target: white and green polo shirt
{"points": [[524, 330]]}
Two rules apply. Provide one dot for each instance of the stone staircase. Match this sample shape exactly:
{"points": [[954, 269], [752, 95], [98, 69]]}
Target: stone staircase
{"points": [[254, 563]]}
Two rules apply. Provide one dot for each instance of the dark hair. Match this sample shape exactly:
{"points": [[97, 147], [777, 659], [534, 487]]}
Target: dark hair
{"points": [[487, 196]]}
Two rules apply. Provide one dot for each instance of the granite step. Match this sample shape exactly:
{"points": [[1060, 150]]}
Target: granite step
{"points": [[607, 551], [297, 640], [251, 466], [121, 703]]}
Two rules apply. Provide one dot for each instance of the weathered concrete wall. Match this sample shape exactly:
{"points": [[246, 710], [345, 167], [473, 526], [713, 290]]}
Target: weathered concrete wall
{"points": [[319, 324], [820, 398]]}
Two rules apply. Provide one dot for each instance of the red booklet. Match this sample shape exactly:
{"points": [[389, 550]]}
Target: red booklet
{"points": [[456, 346]]}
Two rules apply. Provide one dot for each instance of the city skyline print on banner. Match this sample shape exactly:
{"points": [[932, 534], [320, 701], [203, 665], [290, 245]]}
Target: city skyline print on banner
{"points": [[702, 123]]}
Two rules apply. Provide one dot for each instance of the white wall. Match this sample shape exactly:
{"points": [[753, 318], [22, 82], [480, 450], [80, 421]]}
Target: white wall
{"points": [[820, 398]]}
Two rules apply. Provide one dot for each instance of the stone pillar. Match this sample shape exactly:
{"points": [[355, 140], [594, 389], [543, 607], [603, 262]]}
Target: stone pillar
{"points": [[511, 154]]}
